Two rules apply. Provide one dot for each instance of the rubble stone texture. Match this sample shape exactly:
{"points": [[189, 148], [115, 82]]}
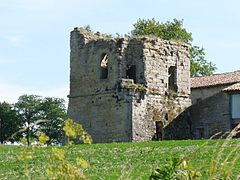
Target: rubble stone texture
{"points": [[126, 89]]}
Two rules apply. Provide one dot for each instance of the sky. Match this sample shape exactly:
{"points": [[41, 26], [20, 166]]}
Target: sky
{"points": [[34, 36]]}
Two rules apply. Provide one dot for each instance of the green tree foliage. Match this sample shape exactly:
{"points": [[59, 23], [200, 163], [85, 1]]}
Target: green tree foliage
{"points": [[199, 65], [175, 31], [9, 122], [39, 114], [54, 111], [28, 109]]}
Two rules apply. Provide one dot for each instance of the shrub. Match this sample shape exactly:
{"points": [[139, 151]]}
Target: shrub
{"points": [[175, 168], [58, 167]]}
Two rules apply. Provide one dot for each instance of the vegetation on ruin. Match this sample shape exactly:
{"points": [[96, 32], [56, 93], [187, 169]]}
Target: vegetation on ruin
{"points": [[175, 31], [135, 87]]}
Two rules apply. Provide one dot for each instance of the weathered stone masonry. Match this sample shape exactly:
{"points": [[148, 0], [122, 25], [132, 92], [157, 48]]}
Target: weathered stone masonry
{"points": [[126, 89]]}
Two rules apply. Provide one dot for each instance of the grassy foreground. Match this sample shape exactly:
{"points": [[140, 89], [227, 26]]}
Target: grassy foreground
{"points": [[126, 160]]}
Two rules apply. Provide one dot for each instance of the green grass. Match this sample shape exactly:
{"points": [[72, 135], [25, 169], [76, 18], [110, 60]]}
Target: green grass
{"points": [[119, 160]]}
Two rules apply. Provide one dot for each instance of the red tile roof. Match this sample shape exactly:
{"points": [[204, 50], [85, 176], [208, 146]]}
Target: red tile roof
{"points": [[234, 87], [215, 80]]}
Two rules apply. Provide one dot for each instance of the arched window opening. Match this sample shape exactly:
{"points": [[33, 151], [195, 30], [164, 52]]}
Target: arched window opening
{"points": [[104, 66]]}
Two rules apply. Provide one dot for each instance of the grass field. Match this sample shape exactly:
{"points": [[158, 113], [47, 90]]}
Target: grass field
{"points": [[124, 160]]}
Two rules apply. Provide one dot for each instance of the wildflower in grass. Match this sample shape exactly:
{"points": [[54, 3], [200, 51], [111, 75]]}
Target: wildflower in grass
{"points": [[23, 140], [69, 129], [86, 138], [42, 138], [58, 153], [59, 166], [74, 130], [82, 163], [25, 157]]}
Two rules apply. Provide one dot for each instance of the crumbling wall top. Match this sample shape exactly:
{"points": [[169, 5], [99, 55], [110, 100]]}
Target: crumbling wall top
{"points": [[90, 35], [151, 40]]}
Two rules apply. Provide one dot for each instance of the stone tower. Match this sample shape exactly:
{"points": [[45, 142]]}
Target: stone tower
{"points": [[126, 89]]}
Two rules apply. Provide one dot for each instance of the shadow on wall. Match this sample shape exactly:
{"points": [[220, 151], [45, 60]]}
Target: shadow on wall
{"points": [[208, 118], [180, 127], [134, 64]]}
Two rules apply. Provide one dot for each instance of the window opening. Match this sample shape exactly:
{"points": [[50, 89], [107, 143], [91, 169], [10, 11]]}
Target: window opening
{"points": [[104, 66], [131, 73], [172, 78], [159, 130], [235, 106]]}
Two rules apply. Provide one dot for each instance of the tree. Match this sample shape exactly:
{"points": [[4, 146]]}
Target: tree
{"points": [[54, 112], [39, 114], [28, 109], [175, 31], [199, 65], [9, 122]]}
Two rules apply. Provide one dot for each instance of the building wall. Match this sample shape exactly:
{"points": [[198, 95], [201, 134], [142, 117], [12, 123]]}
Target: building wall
{"points": [[94, 102], [198, 94], [102, 117], [159, 57], [160, 104], [211, 116], [133, 57], [211, 111], [154, 110], [136, 96], [203, 120], [234, 105], [180, 128], [85, 62]]}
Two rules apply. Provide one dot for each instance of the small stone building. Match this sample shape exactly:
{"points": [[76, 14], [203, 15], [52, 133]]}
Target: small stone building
{"points": [[127, 89], [216, 104]]}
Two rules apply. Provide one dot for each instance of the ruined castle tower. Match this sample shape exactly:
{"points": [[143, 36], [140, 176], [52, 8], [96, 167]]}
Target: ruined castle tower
{"points": [[126, 89]]}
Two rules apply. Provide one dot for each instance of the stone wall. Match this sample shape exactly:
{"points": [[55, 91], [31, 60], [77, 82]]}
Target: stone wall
{"points": [[159, 57], [93, 101], [198, 94], [180, 128], [211, 116], [157, 103], [102, 117], [203, 120], [126, 89], [85, 62], [152, 110]]}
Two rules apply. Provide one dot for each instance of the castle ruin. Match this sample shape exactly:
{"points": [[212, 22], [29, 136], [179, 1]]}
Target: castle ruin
{"points": [[127, 89]]}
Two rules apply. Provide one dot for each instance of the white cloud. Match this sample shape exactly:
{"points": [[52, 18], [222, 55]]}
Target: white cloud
{"points": [[14, 40], [11, 92]]}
